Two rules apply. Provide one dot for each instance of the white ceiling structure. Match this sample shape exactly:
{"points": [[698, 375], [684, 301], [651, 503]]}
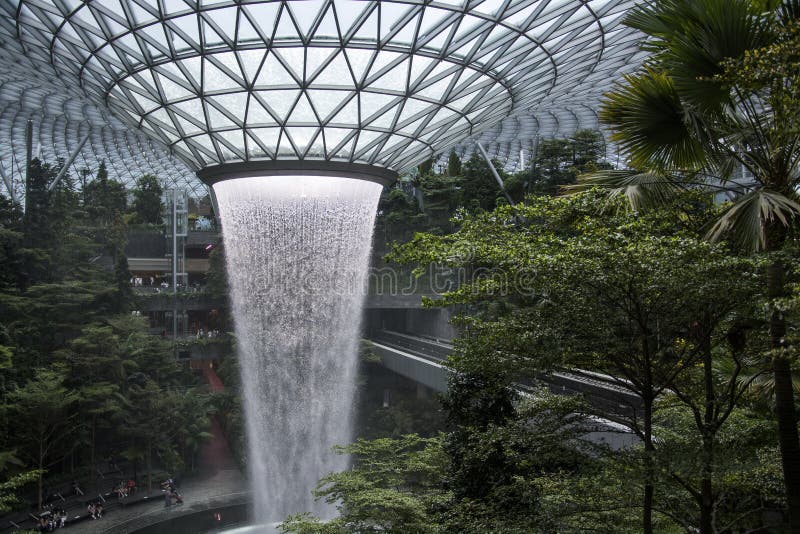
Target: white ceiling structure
{"points": [[175, 86]]}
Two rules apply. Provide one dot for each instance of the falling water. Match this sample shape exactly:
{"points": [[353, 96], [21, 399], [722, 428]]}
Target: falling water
{"points": [[297, 251]]}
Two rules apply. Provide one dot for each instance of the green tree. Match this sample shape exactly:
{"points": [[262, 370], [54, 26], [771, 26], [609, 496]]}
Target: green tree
{"points": [[193, 429], [743, 472], [392, 487], [729, 352], [38, 227], [19, 264], [98, 371], [685, 121], [426, 167], [104, 199], [441, 197], [43, 415], [479, 189], [11, 484], [216, 277], [72, 372], [147, 199], [566, 286], [588, 148], [115, 239], [146, 417], [497, 465], [453, 164], [44, 317], [558, 162], [405, 484], [398, 216], [551, 167], [173, 425]]}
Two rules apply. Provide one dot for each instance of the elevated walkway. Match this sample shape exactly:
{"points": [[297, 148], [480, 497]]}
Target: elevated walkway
{"points": [[422, 360], [395, 301], [424, 356]]}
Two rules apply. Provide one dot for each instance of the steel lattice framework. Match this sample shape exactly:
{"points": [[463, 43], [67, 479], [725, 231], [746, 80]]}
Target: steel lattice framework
{"points": [[61, 116], [385, 83]]}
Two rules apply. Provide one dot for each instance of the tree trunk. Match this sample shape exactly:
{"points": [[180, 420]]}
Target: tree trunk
{"points": [[708, 435], [91, 454], [788, 438], [40, 492], [706, 506], [647, 504], [149, 468], [41, 474], [706, 488]]}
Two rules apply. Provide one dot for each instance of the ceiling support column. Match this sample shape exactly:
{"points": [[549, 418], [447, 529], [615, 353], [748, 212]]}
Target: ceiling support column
{"points": [[67, 163], [494, 172]]}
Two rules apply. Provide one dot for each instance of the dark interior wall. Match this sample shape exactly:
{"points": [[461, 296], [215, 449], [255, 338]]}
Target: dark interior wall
{"points": [[145, 245], [433, 322]]}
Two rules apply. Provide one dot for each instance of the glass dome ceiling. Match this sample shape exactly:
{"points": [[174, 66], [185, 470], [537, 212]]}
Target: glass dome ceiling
{"points": [[61, 118], [387, 83]]}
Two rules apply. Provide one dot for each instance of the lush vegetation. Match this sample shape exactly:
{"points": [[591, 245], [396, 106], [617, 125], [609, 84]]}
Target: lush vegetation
{"points": [[676, 276], [717, 108], [427, 202], [82, 382], [556, 283]]}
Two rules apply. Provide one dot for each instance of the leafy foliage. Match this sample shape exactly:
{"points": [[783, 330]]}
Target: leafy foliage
{"points": [[718, 95], [717, 107], [147, 199], [561, 282], [392, 488], [76, 368]]}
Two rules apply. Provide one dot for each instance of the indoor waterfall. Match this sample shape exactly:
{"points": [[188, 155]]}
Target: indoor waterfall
{"points": [[297, 251]]}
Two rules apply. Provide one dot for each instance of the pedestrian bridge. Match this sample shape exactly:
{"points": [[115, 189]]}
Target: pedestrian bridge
{"points": [[422, 360]]}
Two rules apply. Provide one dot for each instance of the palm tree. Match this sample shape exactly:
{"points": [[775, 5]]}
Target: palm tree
{"points": [[704, 112], [758, 387]]}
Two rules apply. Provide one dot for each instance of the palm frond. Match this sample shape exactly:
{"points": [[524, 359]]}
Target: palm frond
{"points": [[759, 384], [647, 117], [746, 220], [716, 30], [643, 190], [689, 40], [789, 11], [652, 20]]}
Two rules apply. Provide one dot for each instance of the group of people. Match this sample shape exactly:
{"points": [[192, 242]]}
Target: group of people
{"points": [[125, 489], [138, 281], [171, 493], [52, 520], [95, 509], [164, 285], [210, 334]]}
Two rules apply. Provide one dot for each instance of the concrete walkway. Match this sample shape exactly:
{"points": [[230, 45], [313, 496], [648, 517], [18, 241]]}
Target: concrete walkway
{"points": [[223, 488]]}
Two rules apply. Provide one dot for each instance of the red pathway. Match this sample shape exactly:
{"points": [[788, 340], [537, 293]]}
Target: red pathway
{"points": [[215, 454], [213, 379]]}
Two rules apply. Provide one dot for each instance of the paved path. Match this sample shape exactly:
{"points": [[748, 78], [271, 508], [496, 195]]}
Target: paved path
{"points": [[213, 379], [224, 487]]}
